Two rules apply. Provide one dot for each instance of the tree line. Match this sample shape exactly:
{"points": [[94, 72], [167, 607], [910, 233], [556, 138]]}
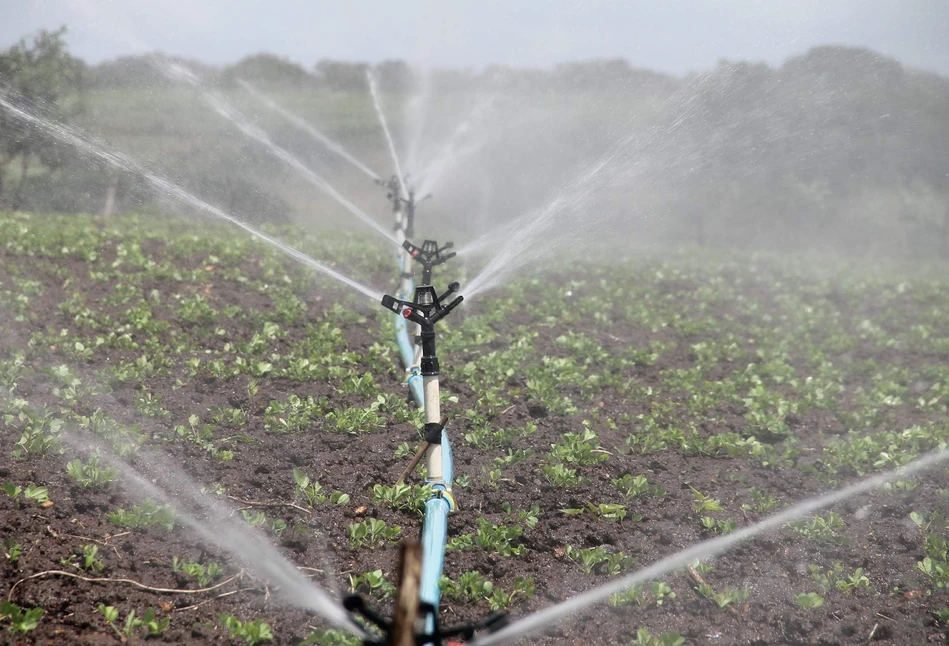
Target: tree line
{"points": [[840, 142]]}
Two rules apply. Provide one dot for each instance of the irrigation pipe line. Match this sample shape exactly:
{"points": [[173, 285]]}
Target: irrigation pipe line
{"points": [[415, 319], [538, 621]]}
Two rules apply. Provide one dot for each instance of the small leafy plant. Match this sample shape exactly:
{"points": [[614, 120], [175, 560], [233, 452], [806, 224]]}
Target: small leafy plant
{"points": [[252, 632], [148, 515], [372, 532], [20, 620], [90, 475], [204, 575], [808, 600]]}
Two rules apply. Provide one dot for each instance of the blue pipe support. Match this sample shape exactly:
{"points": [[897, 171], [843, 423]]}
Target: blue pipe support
{"points": [[435, 531]]}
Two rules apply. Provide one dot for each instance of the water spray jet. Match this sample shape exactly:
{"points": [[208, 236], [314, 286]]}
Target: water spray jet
{"points": [[220, 105], [307, 128], [374, 91], [166, 188]]}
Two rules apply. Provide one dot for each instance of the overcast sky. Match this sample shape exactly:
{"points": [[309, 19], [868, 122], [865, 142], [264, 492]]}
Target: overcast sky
{"points": [[673, 36]]}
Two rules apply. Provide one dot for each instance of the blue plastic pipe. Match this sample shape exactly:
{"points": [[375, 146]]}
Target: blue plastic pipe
{"points": [[435, 532], [437, 508]]}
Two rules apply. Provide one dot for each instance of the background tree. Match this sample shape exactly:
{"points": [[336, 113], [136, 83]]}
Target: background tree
{"points": [[44, 79], [267, 70]]}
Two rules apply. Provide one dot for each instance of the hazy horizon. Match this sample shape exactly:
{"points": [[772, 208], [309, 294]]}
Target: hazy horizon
{"points": [[675, 39]]}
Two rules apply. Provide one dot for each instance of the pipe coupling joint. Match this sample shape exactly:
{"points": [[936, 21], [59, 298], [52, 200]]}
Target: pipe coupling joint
{"points": [[429, 366], [433, 432]]}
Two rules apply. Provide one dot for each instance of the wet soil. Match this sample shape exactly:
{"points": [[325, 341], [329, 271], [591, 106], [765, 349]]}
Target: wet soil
{"points": [[898, 608]]}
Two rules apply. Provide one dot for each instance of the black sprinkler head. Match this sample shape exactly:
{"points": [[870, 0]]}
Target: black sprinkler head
{"points": [[429, 255]]}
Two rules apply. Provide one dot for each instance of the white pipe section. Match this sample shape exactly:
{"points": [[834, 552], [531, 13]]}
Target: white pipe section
{"points": [[433, 415]]}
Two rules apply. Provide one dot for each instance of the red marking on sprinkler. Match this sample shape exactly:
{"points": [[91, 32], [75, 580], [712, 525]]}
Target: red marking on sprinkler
{"points": [[415, 253], [407, 312]]}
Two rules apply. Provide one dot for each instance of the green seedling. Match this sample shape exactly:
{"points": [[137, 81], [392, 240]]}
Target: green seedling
{"points": [[761, 502], [602, 511], [402, 496], [808, 600], [559, 475], [853, 581], [153, 627], [598, 559], [331, 637], [581, 449], [494, 539], [252, 632], [39, 433], [87, 561], [294, 415], [703, 503], [148, 515], [12, 551], [633, 487], [31, 492], [658, 591], [646, 638], [715, 526], [821, 528], [402, 451], [372, 532], [204, 575], [374, 583], [722, 599], [20, 620], [258, 519], [492, 477], [90, 475], [472, 587], [305, 489], [529, 517]]}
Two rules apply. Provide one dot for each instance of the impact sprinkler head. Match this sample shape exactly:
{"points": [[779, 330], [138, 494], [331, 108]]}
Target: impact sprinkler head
{"points": [[429, 255], [426, 309]]}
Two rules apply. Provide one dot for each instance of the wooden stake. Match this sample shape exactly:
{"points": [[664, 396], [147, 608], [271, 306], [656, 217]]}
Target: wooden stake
{"points": [[418, 456], [414, 463], [407, 596]]}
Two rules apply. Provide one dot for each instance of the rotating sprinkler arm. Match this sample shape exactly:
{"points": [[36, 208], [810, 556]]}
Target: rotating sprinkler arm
{"points": [[429, 255]]}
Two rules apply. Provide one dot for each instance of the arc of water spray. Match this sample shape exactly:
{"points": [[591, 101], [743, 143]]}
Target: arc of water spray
{"points": [[176, 71], [454, 149], [541, 232], [704, 550], [415, 118], [307, 128], [374, 91], [218, 527], [169, 189]]}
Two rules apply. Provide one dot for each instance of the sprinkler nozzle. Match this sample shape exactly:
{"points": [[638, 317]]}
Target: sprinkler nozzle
{"points": [[454, 286], [429, 255], [426, 309]]}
